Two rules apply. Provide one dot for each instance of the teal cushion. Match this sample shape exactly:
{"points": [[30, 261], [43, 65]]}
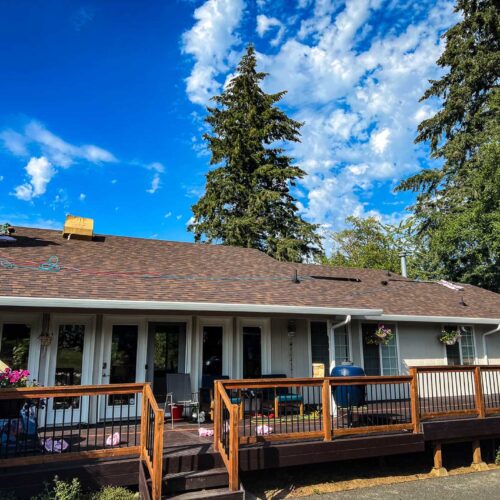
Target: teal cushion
{"points": [[236, 401], [288, 398]]}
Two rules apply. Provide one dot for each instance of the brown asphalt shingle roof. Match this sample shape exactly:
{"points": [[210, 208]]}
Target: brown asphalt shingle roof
{"points": [[123, 268]]}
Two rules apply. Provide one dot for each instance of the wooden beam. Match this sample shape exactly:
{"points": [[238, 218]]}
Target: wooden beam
{"points": [[326, 412], [477, 460], [479, 392], [415, 406], [438, 469], [157, 477], [234, 482], [217, 415]]}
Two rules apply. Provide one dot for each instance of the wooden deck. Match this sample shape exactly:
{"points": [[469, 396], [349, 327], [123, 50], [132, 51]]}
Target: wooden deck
{"points": [[258, 424]]}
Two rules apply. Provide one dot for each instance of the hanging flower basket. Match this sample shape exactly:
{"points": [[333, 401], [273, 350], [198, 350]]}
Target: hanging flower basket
{"points": [[381, 336], [449, 338]]}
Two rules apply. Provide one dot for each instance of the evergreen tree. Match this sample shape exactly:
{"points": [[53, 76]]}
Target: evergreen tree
{"points": [[457, 209], [247, 200]]}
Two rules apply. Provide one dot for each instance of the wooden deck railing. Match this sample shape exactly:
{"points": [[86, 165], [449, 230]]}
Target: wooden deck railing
{"points": [[250, 411], [49, 424], [152, 422]]}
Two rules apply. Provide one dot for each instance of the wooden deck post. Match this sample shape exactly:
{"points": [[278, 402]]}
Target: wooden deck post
{"points": [[477, 460], [479, 392], [327, 418], [144, 421], [415, 406], [234, 445], [217, 414], [438, 469], [157, 478]]}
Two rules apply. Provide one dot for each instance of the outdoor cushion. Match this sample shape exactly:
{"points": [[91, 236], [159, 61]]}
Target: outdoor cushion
{"points": [[236, 401], [289, 398]]}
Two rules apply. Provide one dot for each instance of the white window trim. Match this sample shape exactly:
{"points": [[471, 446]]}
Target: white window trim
{"points": [[474, 343], [361, 343], [34, 321]]}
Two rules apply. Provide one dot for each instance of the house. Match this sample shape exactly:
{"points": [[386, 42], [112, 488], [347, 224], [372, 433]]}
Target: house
{"points": [[113, 309]]}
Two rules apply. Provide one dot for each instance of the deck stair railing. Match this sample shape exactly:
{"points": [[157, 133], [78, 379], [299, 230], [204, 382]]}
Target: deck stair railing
{"points": [[151, 447]]}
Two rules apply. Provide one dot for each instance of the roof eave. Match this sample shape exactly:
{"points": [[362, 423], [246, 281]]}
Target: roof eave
{"points": [[433, 319], [153, 305]]}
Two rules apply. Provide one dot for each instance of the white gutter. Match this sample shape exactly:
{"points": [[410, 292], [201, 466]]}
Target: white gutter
{"points": [[433, 319], [344, 322], [485, 348], [154, 305]]}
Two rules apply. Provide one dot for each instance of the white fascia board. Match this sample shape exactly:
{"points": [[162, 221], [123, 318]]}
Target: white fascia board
{"points": [[433, 319], [181, 306]]}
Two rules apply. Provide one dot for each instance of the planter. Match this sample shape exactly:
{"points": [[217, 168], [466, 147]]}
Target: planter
{"points": [[10, 408], [450, 342]]}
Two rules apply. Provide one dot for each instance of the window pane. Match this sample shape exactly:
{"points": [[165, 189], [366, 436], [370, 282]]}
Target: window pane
{"points": [[123, 360], [390, 362], [252, 355], [467, 345], [453, 354], [371, 353], [69, 362], [319, 344], [212, 350], [14, 345], [341, 339]]}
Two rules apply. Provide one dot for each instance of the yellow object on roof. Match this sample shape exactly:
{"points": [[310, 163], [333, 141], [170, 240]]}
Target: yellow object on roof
{"points": [[78, 227]]}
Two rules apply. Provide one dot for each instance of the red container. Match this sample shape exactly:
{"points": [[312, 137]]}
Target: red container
{"points": [[177, 411]]}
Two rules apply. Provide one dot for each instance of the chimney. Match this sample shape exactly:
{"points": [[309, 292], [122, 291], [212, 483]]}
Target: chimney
{"points": [[403, 255]]}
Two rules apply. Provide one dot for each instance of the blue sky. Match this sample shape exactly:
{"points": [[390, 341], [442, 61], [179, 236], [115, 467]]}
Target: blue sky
{"points": [[102, 103]]}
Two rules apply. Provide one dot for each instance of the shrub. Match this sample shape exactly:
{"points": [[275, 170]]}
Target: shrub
{"points": [[61, 490], [115, 493]]}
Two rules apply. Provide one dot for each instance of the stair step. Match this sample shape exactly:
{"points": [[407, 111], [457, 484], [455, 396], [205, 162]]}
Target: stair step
{"points": [[216, 493], [196, 480]]}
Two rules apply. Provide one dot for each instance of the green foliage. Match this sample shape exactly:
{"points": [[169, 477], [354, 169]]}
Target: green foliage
{"points": [[247, 200], [115, 493], [457, 212], [369, 243], [61, 490]]}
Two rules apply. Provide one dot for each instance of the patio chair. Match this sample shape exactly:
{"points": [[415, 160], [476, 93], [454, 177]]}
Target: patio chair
{"points": [[207, 403], [281, 396], [179, 392]]}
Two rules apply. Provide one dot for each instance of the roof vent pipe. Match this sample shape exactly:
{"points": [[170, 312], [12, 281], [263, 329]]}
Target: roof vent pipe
{"points": [[403, 255]]}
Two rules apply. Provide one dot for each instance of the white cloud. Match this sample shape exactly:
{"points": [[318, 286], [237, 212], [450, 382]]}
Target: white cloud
{"points": [[82, 196], [380, 140], [354, 73], [48, 153], [210, 42], [264, 24], [178, 217], [156, 166], [155, 184], [40, 171], [114, 181], [168, 214]]}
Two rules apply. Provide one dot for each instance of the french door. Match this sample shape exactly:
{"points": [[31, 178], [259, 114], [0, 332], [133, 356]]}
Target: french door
{"points": [[70, 364], [124, 361]]}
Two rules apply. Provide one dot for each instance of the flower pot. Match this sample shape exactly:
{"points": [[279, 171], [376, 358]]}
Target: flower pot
{"points": [[10, 408], [450, 342]]}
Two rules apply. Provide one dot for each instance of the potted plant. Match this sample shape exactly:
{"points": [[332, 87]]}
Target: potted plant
{"points": [[449, 337], [12, 379], [382, 335]]}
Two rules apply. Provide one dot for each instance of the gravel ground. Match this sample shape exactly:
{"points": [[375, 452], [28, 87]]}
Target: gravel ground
{"points": [[476, 486]]}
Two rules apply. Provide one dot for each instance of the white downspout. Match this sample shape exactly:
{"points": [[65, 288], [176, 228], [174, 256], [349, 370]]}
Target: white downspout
{"points": [[344, 322], [485, 349]]}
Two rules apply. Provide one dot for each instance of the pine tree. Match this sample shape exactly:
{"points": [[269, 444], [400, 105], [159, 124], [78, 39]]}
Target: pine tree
{"points": [[247, 200], [458, 205]]}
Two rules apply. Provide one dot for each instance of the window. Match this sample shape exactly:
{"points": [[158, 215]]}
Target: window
{"points": [[320, 344], [252, 353], [380, 359], [463, 352], [14, 345], [212, 350]]}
